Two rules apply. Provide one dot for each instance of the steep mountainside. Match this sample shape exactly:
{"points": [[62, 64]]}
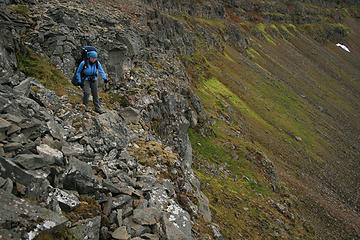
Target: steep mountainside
{"points": [[226, 119]]}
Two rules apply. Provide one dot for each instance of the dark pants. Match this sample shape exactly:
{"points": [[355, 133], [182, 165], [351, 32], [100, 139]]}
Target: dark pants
{"points": [[93, 85]]}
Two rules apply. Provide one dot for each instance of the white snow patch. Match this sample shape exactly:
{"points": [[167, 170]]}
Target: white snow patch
{"points": [[343, 47]]}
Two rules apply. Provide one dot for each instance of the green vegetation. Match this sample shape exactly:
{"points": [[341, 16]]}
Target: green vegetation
{"points": [[39, 67], [120, 99], [20, 9], [283, 27], [58, 235], [262, 28], [216, 23], [324, 32], [252, 52]]}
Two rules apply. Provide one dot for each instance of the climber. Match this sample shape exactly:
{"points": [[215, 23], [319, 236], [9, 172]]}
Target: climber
{"points": [[87, 77]]}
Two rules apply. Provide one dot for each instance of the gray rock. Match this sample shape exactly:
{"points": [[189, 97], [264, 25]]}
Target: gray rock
{"points": [[127, 210], [4, 125], [53, 205], [173, 232], [127, 190], [150, 236], [13, 129], [137, 230], [130, 115], [179, 217], [2, 181], [111, 130], [8, 186], [111, 155], [195, 101], [67, 201], [77, 165], [21, 219], [281, 208], [204, 208], [119, 218], [192, 185], [108, 205], [143, 203], [121, 234], [75, 180], [73, 150], [28, 103], [112, 187], [56, 130], [215, 229], [4, 103], [12, 146], [9, 169], [48, 98], [147, 216], [47, 151], [24, 87], [129, 160], [193, 119], [33, 161], [87, 229], [13, 118]]}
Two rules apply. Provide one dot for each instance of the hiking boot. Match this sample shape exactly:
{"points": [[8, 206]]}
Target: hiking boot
{"points": [[99, 111], [88, 109]]}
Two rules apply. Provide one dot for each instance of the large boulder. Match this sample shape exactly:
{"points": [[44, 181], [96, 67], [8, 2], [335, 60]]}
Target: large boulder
{"points": [[87, 229], [33, 161], [35, 181], [109, 132], [23, 220]]}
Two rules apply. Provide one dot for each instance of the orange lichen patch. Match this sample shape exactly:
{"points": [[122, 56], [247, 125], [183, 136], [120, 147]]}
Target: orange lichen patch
{"points": [[151, 152], [88, 208]]}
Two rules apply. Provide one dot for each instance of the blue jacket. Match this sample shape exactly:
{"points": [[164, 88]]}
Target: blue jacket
{"points": [[91, 70]]}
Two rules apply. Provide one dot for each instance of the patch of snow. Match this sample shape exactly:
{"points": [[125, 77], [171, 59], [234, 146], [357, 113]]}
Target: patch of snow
{"points": [[343, 47]]}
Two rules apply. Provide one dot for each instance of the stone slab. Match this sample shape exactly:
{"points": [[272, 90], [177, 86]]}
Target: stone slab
{"points": [[20, 219]]}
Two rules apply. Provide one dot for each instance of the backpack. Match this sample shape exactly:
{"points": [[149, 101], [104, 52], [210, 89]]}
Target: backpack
{"points": [[82, 57]]}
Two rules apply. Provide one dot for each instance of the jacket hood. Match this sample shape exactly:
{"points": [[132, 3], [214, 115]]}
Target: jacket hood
{"points": [[92, 54]]}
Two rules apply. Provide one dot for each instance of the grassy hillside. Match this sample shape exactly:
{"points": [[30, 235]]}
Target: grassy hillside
{"points": [[294, 99]]}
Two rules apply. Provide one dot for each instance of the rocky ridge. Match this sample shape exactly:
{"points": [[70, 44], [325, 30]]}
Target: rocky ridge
{"points": [[54, 154], [109, 174], [114, 186]]}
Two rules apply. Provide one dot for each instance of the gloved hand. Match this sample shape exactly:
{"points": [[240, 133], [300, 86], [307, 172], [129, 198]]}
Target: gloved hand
{"points": [[106, 80]]}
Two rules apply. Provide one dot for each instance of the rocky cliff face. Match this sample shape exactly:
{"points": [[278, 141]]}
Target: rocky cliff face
{"points": [[182, 127]]}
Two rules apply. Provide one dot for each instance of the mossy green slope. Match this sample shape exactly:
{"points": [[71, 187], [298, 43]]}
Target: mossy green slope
{"points": [[296, 100]]}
